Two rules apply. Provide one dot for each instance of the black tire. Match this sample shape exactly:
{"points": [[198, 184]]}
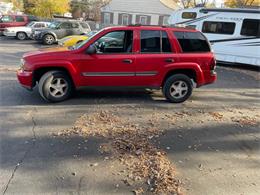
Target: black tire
{"points": [[21, 35], [48, 80], [184, 91], [48, 39]]}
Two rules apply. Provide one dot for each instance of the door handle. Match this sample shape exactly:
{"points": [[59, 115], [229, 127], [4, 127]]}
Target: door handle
{"points": [[169, 60], [128, 61]]}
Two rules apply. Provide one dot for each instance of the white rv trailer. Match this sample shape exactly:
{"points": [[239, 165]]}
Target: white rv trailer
{"points": [[233, 33]]}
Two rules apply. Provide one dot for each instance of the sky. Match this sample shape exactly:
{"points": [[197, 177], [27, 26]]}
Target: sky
{"points": [[219, 3]]}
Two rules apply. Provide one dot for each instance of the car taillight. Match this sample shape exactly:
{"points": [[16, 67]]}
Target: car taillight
{"points": [[213, 64]]}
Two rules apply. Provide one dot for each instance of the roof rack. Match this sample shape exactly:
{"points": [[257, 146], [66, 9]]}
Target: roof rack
{"points": [[163, 26], [147, 25]]}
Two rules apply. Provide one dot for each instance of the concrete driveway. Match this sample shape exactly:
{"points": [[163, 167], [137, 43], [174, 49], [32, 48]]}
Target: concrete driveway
{"points": [[213, 142]]}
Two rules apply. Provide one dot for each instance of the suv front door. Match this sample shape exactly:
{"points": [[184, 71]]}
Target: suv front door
{"points": [[114, 62]]}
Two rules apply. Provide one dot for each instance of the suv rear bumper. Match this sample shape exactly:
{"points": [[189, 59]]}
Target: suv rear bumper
{"points": [[25, 78]]}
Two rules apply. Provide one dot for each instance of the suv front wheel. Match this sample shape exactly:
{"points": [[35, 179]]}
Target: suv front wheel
{"points": [[48, 39], [55, 86], [177, 88]]}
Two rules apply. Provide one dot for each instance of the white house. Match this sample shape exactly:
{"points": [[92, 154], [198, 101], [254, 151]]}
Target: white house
{"points": [[146, 12]]}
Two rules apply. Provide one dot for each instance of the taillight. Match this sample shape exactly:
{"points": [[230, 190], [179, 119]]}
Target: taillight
{"points": [[213, 66]]}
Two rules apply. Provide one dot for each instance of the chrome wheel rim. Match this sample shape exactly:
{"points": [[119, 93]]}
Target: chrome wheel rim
{"points": [[179, 89], [21, 36], [58, 87], [49, 39]]}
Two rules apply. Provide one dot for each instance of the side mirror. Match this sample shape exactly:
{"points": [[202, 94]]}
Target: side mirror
{"points": [[91, 50]]}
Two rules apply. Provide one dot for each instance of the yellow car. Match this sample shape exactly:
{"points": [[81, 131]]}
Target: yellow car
{"points": [[74, 39]]}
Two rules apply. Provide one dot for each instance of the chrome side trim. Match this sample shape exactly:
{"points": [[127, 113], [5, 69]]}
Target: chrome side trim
{"points": [[108, 74], [112, 74], [147, 73]]}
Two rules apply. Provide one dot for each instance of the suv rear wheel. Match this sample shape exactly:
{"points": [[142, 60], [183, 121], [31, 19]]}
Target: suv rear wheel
{"points": [[21, 35], [55, 86], [48, 39], [177, 88]]}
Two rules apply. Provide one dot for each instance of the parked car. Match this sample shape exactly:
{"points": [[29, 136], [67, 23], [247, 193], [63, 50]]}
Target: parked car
{"points": [[60, 29], [23, 32], [174, 59], [69, 41], [7, 21]]}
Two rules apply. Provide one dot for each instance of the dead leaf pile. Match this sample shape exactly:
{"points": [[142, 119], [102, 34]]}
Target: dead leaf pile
{"points": [[216, 115], [132, 145], [246, 121]]}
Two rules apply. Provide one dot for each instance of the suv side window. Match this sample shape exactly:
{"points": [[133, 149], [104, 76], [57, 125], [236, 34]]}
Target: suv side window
{"points": [[192, 42], [84, 25], [65, 25], [75, 25], [19, 18], [155, 41], [7, 19], [115, 42]]}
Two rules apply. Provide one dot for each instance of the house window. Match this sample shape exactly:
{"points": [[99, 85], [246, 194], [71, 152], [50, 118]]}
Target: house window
{"points": [[143, 20], [125, 19], [165, 20], [107, 18], [250, 27]]}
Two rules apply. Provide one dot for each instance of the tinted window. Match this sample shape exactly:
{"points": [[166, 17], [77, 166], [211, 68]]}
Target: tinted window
{"points": [[219, 27], [6, 19], [65, 25], [75, 25], [192, 42], [250, 27], [166, 45], [189, 15], [84, 25], [19, 19], [32, 18], [115, 42], [151, 41]]}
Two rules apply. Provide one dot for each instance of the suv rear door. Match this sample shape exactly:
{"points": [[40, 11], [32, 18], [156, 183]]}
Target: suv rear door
{"points": [[195, 48], [156, 51]]}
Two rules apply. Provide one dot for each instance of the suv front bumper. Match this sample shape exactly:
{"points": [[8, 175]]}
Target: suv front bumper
{"points": [[25, 78]]}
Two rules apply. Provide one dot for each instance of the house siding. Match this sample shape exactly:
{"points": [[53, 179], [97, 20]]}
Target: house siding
{"points": [[135, 9]]}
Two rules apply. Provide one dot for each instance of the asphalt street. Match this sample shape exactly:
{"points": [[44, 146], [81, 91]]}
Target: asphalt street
{"points": [[212, 155]]}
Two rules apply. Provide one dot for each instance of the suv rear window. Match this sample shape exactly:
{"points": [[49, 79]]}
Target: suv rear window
{"points": [[192, 42], [155, 41], [19, 18]]}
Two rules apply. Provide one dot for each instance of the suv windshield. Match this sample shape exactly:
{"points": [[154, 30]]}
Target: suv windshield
{"points": [[54, 25], [81, 44], [30, 24]]}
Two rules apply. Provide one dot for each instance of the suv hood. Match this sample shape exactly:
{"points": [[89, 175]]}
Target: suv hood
{"points": [[48, 51]]}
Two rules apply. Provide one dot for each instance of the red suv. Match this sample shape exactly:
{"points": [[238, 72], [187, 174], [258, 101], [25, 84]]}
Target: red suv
{"points": [[14, 21], [174, 59]]}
